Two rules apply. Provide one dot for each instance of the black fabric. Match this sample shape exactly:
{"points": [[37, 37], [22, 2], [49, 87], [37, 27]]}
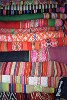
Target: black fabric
{"points": [[7, 96], [14, 56], [61, 91]]}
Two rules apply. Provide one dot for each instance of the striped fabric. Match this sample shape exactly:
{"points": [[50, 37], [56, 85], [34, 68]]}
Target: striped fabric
{"points": [[32, 23], [32, 69], [31, 9], [28, 30]]}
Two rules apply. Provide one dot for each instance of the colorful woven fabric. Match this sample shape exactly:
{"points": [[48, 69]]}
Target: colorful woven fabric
{"points": [[30, 30], [55, 15], [57, 69], [31, 69], [5, 2], [24, 96], [37, 82], [38, 56], [19, 9], [19, 88], [31, 23], [35, 45], [31, 37], [42, 96]]}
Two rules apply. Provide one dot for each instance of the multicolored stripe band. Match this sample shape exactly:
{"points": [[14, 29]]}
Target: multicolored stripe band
{"points": [[26, 24], [32, 9], [20, 71]]}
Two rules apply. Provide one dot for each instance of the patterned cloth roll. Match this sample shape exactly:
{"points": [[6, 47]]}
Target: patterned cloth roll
{"points": [[32, 23], [31, 37], [30, 30], [35, 45]]}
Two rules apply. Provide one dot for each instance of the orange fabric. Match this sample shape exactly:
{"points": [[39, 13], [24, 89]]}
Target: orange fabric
{"points": [[24, 45], [5, 46], [37, 45], [2, 46], [44, 68]]}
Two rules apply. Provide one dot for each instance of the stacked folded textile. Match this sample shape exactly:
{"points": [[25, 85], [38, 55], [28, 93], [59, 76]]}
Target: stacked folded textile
{"points": [[32, 48]]}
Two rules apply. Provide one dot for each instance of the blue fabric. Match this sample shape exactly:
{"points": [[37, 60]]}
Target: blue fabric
{"points": [[14, 56]]}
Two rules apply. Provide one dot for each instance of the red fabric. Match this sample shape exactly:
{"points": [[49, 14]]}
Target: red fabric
{"points": [[60, 41], [9, 24], [9, 46], [23, 96], [42, 96]]}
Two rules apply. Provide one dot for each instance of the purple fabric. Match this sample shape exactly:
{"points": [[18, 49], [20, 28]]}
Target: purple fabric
{"points": [[58, 54]]}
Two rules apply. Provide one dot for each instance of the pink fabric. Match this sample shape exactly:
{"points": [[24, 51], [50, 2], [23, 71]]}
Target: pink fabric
{"points": [[38, 55]]}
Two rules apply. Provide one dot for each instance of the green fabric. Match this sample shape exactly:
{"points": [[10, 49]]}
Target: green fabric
{"points": [[5, 87], [51, 22], [22, 17], [0, 87]]}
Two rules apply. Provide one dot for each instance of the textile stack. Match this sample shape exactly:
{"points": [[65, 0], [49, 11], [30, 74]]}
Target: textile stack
{"points": [[33, 48]]}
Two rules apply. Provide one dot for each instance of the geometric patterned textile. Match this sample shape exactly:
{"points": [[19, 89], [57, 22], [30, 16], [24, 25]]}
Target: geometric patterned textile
{"points": [[35, 45], [7, 96], [31, 37], [23, 96]]}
